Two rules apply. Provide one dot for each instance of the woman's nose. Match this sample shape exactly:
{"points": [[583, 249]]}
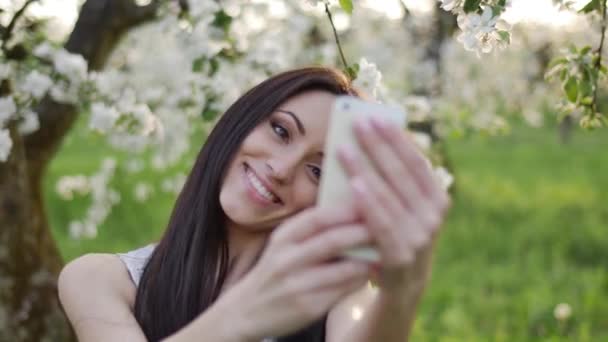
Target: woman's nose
{"points": [[282, 169]]}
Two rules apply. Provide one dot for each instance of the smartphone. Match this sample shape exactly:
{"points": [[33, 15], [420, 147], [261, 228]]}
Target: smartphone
{"points": [[335, 187]]}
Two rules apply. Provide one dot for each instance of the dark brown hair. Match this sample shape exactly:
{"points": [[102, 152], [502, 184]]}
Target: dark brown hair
{"points": [[188, 266]]}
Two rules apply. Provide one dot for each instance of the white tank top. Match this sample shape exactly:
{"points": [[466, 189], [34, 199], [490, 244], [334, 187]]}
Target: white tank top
{"points": [[136, 260]]}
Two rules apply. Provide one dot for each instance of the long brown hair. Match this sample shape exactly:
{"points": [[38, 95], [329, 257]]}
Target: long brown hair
{"points": [[185, 273]]}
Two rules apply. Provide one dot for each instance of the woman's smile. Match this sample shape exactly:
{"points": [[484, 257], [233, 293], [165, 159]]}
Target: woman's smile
{"points": [[258, 189]]}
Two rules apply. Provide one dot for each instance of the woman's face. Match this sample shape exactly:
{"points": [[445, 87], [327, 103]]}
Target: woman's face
{"points": [[276, 171]]}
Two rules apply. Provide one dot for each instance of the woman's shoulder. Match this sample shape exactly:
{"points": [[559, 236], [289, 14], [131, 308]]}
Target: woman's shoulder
{"points": [[99, 273], [97, 296]]}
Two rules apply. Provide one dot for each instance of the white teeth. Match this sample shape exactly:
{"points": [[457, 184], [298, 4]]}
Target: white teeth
{"points": [[261, 189]]}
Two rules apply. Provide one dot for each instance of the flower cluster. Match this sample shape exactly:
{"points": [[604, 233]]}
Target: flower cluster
{"points": [[368, 77], [482, 31], [62, 75], [102, 196]]}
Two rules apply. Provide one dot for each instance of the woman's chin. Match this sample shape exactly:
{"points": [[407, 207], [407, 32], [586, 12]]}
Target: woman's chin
{"points": [[251, 222]]}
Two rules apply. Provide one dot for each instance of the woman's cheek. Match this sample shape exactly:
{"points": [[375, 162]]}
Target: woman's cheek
{"points": [[306, 194]]}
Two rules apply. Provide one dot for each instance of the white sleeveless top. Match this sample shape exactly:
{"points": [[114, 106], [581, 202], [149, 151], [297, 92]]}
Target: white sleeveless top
{"points": [[136, 261]]}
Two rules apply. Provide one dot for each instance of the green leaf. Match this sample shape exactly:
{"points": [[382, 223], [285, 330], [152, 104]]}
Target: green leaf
{"points": [[215, 65], [585, 50], [557, 61], [585, 88], [197, 64], [563, 74], [505, 36], [471, 5], [222, 20], [571, 89], [352, 73], [209, 114], [591, 6], [347, 6], [587, 101]]}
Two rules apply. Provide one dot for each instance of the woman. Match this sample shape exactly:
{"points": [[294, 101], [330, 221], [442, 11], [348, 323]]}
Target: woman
{"points": [[246, 256]]}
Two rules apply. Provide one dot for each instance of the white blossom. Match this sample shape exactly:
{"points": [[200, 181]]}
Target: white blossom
{"points": [[107, 82], [142, 191], [5, 144], [481, 33], [29, 122], [368, 78], [444, 177], [562, 311], [146, 121], [63, 92], [8, 109], [6, 71], [134, 165], [103, 198], [84, 229], [37, 84], [103, 118], [451, 5], [422, 140], [44, 50], [175, 184], [199, 8], [72, 66], [418, 108], [68, 185]]}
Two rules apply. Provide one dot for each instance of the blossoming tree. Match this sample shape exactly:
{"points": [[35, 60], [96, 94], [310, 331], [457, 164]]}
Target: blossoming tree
{"points": [[211, 52]]}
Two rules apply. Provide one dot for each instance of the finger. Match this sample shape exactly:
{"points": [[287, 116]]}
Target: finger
{"points": [[321, 299], [330, 275], [406, 150], [328, 245], [310, 222], [388, 163], [414, 201], [396, 235]]}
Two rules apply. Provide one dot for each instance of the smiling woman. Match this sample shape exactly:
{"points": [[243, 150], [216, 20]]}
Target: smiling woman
{"points": [[248, 257]]}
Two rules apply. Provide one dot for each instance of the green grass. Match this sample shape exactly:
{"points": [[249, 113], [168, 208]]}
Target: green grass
{"points": [[528, 230]]}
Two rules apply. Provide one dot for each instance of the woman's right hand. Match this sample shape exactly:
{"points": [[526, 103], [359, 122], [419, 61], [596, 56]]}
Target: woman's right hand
{"points": [[300, 275]]}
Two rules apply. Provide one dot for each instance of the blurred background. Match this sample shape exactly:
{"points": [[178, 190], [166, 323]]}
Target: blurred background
{"points": [[524, 252]]}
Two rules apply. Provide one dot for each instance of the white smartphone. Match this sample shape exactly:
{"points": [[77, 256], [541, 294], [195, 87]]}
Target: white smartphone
{"points": [[335, 188]]}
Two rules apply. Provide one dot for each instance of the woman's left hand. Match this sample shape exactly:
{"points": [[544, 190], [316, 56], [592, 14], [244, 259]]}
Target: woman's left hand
{"points": [[398, 198]]}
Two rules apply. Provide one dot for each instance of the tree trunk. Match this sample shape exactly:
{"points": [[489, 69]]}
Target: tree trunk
{"points": [[29, 259]]}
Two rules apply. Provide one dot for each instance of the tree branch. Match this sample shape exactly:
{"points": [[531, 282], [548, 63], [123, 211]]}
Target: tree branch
{"points": [[11, 26], [331, 21]]}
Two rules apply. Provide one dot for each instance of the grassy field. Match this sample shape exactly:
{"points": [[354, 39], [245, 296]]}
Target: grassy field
{"points": [[528, 230]]}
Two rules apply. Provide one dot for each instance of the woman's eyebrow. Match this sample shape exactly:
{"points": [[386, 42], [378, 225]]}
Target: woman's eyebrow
{"points": [[295, 118]]}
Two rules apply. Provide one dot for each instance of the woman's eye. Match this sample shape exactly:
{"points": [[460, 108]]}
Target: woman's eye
{"points": [[279, 130], [316, 171]]}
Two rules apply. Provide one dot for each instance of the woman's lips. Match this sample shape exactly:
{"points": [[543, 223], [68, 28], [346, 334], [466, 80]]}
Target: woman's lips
{"points": [[254, 192]]}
